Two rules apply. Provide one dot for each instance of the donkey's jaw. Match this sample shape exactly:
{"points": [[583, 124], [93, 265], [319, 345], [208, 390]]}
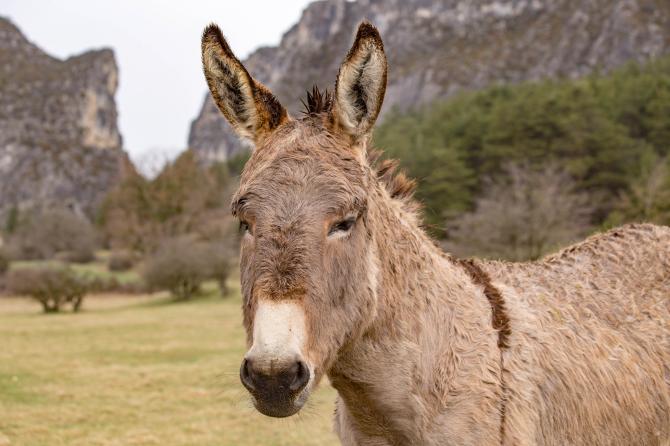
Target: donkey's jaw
{"points": [[276, 371]]}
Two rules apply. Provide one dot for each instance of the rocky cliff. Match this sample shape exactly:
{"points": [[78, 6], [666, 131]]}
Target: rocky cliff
{"points": [[59, 141], [438, 47]]}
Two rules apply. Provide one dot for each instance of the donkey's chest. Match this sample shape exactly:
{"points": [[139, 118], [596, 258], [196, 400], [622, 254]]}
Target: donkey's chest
{"points": [[369, 415]]}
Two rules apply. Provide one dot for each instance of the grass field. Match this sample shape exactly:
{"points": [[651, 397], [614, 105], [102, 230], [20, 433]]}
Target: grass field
{"points": [[137, 371]]}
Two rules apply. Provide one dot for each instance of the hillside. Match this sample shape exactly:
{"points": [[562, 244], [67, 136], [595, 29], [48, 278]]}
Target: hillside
{"points": [[437, 48], [59, 141], [608, 133]]}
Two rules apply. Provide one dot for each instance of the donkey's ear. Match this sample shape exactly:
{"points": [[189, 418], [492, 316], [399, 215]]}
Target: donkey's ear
{"points": [[250, 107], [361, 83]]}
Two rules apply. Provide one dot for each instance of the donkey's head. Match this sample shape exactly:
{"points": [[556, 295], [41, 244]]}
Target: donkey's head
{"points": [[308, 267]]}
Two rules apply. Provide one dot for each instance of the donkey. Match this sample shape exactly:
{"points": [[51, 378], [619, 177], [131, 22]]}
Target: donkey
{"points": [[339, 280]]}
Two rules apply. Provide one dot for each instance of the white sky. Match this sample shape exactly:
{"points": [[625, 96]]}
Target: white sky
{"points": [[157, 47]]}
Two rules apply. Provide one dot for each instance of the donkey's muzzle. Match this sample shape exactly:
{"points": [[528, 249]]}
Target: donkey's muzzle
{"points": [[275, 390]]}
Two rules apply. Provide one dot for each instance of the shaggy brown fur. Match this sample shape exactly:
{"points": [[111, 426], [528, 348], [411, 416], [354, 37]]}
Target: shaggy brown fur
{"points": [[422, 348], [397, 184]]}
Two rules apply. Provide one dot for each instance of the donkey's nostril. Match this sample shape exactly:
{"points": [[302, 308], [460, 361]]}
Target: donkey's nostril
{"points": [[246, 375], [300, 374], [289, 379]]}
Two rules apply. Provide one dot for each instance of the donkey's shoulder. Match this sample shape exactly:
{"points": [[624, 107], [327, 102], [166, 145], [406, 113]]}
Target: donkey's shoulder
{"points": [[618, 277]]}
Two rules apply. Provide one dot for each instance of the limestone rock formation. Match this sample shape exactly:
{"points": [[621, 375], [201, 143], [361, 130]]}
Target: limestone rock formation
{"points": [[438, 47], [59, 141]]}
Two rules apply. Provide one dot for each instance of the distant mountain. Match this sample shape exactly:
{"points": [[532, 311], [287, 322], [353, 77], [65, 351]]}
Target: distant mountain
{"points": [[438, 47], [59, 140]]}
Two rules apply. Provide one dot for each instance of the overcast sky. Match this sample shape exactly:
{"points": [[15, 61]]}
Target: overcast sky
{"points": [[157, 47]]}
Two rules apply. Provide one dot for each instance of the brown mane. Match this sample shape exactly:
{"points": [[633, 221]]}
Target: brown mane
{"points": [[397, 183], [317, 102]]}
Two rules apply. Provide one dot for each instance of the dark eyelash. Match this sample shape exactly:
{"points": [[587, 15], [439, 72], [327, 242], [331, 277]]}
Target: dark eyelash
{"points": [[343, 226], [239, 205]]}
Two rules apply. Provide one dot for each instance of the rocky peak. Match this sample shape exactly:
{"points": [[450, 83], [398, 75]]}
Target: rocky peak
{"points": [[438, 47], [59, 140]]}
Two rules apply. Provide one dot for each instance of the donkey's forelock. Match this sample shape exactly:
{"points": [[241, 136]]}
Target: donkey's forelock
{"points": [[317, 102]]}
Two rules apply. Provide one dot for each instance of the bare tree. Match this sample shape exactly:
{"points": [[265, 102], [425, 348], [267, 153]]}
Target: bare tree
{"points": [[181, 264], [648, 196], [521, 215], [47, 233]]}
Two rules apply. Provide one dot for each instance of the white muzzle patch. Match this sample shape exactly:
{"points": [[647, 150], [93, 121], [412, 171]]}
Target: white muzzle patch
{"points": [[279, 335]]}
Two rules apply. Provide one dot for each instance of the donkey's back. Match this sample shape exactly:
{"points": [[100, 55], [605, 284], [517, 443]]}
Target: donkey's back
{"points": [[620, 278], [592, 337]]}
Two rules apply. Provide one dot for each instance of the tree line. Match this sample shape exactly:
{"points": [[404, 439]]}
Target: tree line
{"points": [[603, 141]]}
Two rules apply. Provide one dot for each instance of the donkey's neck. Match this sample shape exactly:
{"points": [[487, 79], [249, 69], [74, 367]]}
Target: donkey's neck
{"points": [[429, 312], [416, 280]]}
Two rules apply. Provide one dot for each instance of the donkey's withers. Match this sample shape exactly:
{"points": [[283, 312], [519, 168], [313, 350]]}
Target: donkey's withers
{"points": [[338, 279]]}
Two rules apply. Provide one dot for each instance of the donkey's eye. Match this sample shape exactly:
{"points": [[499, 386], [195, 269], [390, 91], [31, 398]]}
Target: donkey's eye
{"points": [[342, 226], [244, 227]]}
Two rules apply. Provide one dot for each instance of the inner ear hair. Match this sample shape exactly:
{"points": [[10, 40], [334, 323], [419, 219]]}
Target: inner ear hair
{"points": [[248, 105], [361, 83]]}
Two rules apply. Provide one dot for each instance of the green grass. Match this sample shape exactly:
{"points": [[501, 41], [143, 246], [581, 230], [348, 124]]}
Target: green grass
{"points": [[137, 371]]}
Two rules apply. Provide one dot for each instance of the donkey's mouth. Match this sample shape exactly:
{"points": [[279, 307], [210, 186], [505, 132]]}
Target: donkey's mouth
{"points": [[279, 402], [280, 407]]}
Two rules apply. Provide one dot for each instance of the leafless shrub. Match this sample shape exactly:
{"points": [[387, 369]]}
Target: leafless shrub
{"points": [[220, 231], [4, 262], [121, 261], [50, 286], [648, 196], [221, 262], [4, 267], [521, 215], [47, 234], [180, 266]]}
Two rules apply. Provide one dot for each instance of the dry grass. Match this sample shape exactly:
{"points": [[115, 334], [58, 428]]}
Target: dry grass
{"points": [[137, 371]]}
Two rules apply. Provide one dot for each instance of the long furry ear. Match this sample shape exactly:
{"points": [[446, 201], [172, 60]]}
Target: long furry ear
{"points": [[249, 106], [361, 83]]}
